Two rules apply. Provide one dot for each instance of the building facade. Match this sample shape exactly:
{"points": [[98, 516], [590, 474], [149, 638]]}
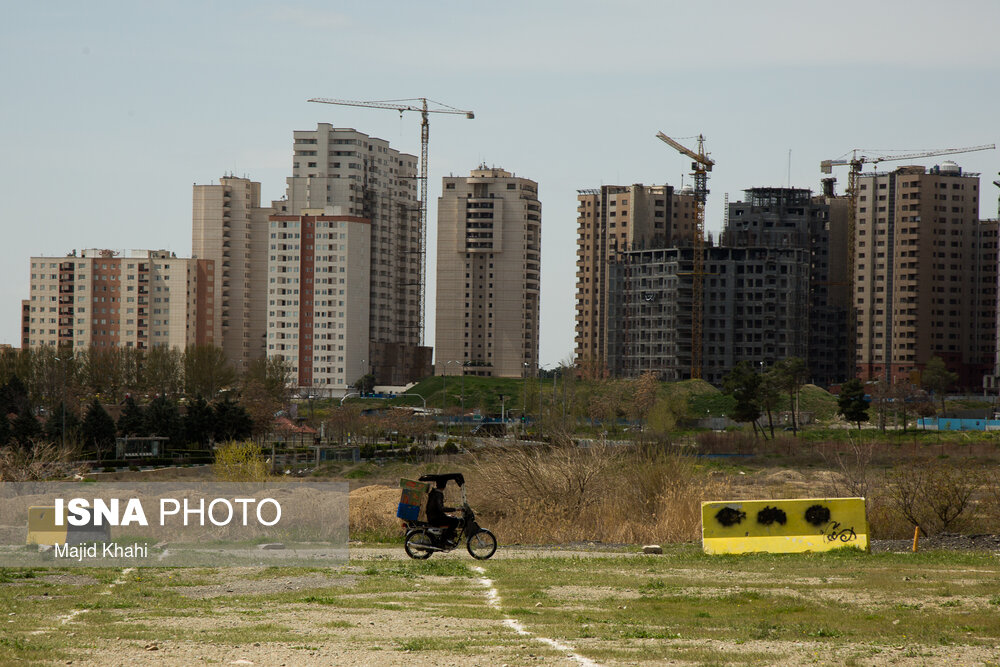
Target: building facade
{"points": [[794, 218], [756, 309], [614, 219], [925, 275], [317, 288], [148, 298], [340, 175], [488, 275], [230, 228]]}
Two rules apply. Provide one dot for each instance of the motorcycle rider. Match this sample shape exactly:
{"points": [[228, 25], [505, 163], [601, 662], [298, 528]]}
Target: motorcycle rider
{"points": [[437, 512]]}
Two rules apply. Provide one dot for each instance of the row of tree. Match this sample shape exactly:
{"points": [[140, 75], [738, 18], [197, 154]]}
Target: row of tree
{"points": [[760, 393], [94, 432], [55, 375]]}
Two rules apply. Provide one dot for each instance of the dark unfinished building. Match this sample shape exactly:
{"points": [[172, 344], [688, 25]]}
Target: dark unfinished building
{"points": [[794, 218], [756, 308]]}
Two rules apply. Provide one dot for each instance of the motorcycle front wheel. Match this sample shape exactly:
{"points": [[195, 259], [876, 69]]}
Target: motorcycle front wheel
{"points": [[482, 544], [415, 541]]}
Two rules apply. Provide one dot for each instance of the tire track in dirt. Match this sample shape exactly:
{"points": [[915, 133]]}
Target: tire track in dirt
{"points": [[66, 618], [493, 601]]}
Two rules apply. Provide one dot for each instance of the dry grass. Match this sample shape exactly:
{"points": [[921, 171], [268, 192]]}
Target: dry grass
{"points": [[373, 513], [606, 494]]}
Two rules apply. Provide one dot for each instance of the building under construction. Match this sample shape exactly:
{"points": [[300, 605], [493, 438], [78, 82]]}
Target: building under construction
{"points": [[794, 218], [755, 308]]}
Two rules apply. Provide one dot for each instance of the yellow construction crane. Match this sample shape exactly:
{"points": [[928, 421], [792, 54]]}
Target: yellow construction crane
{"points": [[859, 157], [425, 129], [700, 167]]}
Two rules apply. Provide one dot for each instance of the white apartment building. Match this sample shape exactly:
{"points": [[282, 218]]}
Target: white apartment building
{"points": [[342, 176], [317, 297], [144, 299]]}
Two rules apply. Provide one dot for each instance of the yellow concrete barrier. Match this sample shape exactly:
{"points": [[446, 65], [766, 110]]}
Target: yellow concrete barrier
{"points": [[783, 526], [42, 528]]}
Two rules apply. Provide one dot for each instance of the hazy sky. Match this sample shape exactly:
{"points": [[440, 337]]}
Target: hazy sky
{"points": [[109, 112]]}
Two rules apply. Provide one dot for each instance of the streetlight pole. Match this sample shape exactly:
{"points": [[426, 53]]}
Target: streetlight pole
{"points": [[524, 395]]}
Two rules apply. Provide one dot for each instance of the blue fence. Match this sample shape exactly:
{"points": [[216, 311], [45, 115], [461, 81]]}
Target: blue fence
{"points": [[956, 424]]}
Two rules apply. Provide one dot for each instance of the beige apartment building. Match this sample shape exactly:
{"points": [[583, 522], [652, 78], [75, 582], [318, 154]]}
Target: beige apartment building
{"points": [[230, 228], [145, 299], [614, 219], [925, 275], [342, 176], [488, 263]]}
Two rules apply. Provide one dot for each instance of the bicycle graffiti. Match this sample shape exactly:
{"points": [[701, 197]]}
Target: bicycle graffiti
{"points": [[838, 533]]}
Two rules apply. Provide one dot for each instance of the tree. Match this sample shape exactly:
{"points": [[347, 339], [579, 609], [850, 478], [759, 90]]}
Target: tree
{"points": [[132, 422], [25, 429], [206, 371], [791, 374], [365, 384], [232, 421], [98, 429], [14, 397], [163, 419], [937, 378], [644, 390], [851, 403], [905, 394], [272, 374], [199, 423], [103, 372], [62, 425], [882, 398], [770, 395], [743, 384], [163, 371]]}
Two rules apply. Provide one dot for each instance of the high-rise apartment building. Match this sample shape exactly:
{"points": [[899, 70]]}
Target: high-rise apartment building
{"points": [[488, 264], [148, 298], [230, 228], [794, 218], [925, 275], [345, 177], [318, 289], [615, 219]]}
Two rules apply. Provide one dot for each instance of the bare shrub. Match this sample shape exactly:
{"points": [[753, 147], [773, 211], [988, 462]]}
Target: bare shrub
{"points": [[989, 503], [41, 461], [853, 466], [932, 495]]}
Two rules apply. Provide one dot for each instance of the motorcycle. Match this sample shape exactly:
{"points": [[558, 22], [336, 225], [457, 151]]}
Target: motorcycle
{"points": [[422, 539]]}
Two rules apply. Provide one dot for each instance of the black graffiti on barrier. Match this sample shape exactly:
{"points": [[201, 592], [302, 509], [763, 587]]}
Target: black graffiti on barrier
{"points": [[817, 515], [838, 533], [729, 516], [770, 515]]}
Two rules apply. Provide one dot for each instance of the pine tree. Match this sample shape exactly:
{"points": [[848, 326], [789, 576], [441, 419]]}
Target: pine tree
{"points": [[98, 430], [133, 420]]}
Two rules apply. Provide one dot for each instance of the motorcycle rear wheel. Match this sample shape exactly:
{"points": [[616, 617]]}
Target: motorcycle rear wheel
{"points": [[414, 541], [482, 544]]}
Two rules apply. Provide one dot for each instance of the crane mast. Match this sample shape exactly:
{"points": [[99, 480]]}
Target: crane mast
{"points": [[420, 104], [700, 166]]}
